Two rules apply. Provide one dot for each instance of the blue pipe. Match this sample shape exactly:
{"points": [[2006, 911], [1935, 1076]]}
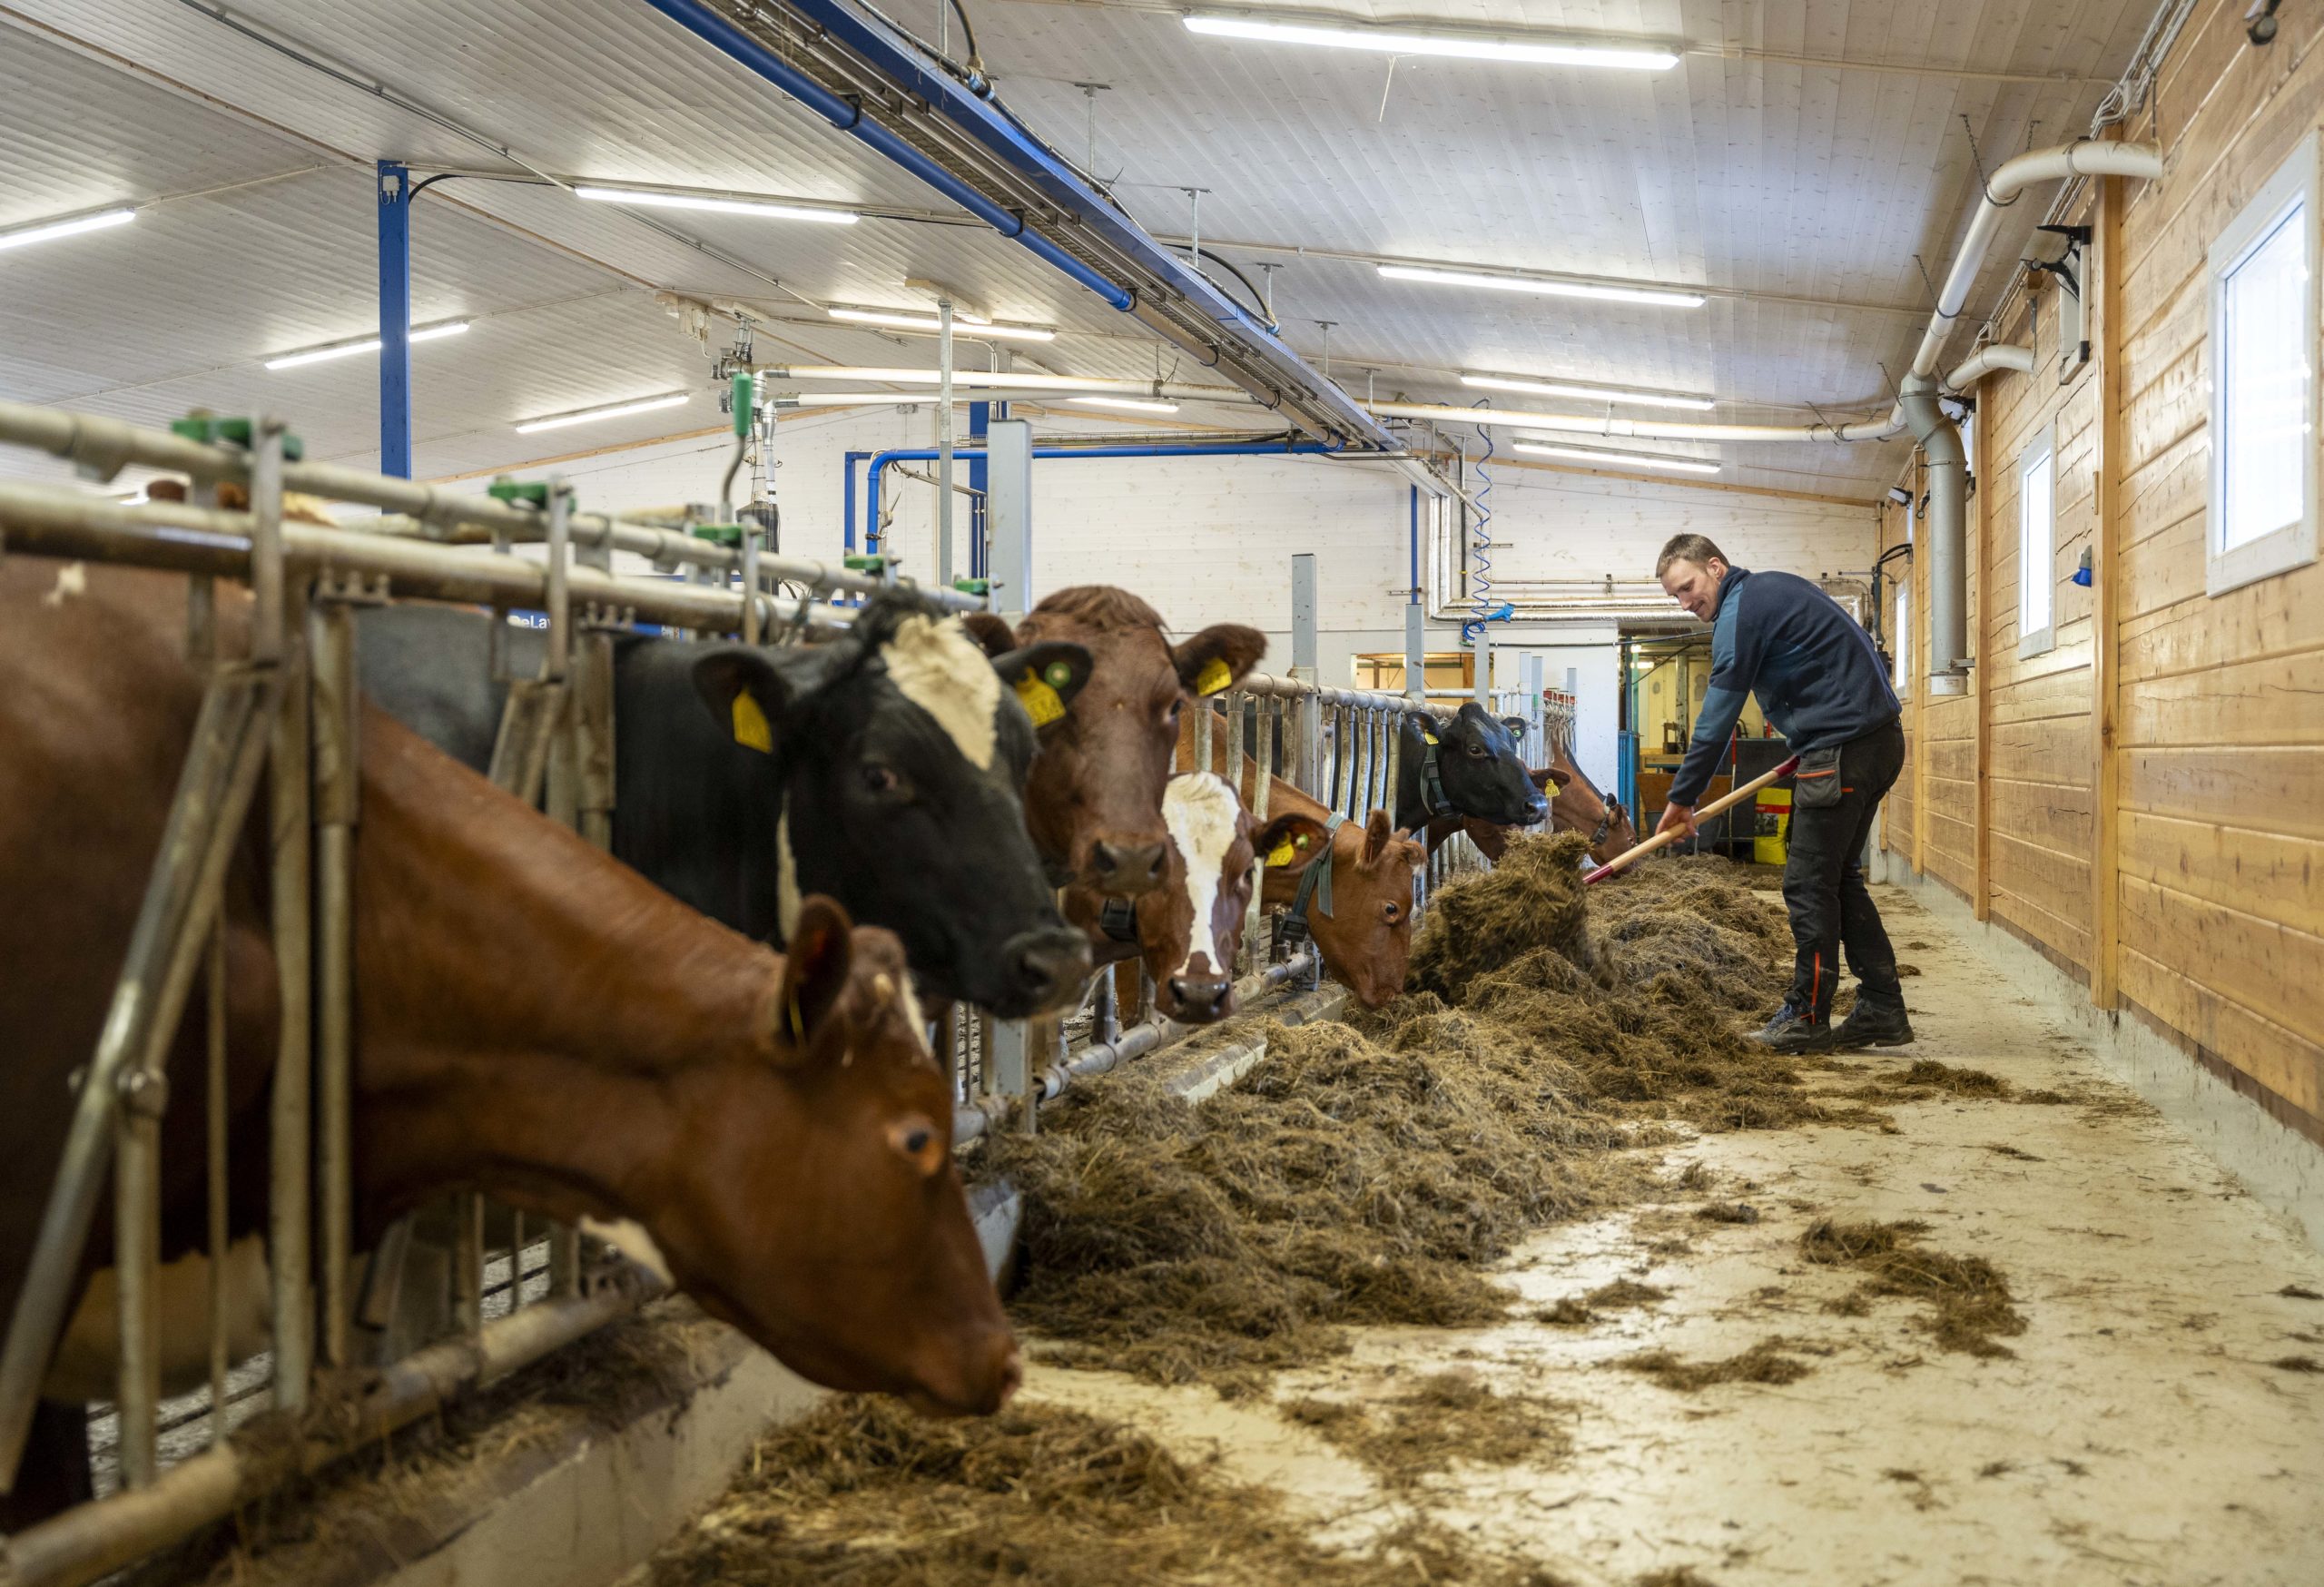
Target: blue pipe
{"points": [[846, 502], [880, 460], [395, 319], [848, 117]]}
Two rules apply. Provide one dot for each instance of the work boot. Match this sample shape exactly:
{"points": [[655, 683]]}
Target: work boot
{"points": [[1794, 1029], [1878, 1020]]}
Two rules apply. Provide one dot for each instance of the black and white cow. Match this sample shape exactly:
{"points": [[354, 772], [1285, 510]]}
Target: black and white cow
{"points": [[1468, 765], [885, 769]]}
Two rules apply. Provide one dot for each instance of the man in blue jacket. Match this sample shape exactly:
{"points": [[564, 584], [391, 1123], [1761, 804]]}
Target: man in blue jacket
{"points": [[1820, 683]]}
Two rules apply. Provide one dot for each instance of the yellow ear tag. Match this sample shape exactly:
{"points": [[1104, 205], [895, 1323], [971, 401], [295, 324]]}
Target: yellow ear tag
{"points": [[1039, 700], [1425, 734], [1281, 853], [1215, 675], [751, 730]]}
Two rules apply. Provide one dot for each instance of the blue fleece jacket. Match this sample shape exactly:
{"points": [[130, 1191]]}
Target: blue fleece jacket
{"points": [[1819, 678]]}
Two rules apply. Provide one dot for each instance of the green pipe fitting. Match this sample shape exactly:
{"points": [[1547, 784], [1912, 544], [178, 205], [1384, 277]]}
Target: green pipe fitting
{"points": [[211, 431]]}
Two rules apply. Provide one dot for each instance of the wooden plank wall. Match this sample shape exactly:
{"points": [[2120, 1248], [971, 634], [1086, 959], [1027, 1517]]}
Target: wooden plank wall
{"points": [[2217, 871]]}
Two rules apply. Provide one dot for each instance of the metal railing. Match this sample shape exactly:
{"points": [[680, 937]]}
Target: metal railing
{"points": [[492, 1290]]}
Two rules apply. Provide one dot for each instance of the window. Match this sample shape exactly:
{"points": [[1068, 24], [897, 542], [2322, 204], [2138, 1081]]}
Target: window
{"points": [[2037, 574], [2263, 381], [1903, 659]]}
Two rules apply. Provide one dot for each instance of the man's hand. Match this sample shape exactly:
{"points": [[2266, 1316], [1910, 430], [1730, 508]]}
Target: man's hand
{"points": [[1678, 818]]}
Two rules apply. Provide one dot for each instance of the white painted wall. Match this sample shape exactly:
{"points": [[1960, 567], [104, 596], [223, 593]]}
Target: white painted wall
{"points": [[1210, 540]]}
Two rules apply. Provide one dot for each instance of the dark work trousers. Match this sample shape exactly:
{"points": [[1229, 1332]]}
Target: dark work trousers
{"points": [[1822, 880]]}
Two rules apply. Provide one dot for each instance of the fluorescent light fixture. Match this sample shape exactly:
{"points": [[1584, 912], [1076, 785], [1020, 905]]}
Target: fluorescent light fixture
{"points": [[1546, 288], [724, 206], [50, 229], [1127, 404], [339, 349], [1606, 459], [613, 411], [962, 325], [1469, 46], [1586, 393]]}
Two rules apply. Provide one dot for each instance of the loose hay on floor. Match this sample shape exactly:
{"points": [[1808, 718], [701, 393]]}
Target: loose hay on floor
{"points": [[866, 1494], [1443, 1417], [1968, 1300], [1771, 1361]]}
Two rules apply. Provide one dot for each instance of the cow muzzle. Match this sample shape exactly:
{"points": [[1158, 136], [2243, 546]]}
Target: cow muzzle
{"points": [[1042, 968], [1126, 870], [1199, 999]]}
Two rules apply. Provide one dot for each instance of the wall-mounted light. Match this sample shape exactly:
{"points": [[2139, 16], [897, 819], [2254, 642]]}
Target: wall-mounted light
{"points": [[1535, 50], [341, 349], [962, 325], [1606, 460], [1588, 393], [1543, 285], [649, 199], [1127, 404], [49, 230], [613, 411]]}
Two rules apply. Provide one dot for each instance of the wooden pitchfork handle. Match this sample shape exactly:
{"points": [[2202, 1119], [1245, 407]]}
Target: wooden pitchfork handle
{"points": [[1713, 808]]}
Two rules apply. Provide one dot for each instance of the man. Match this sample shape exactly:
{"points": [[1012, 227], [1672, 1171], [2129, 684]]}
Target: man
{"points": [[1820, 682]]}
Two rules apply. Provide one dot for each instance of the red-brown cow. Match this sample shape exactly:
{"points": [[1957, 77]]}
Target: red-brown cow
{"points": [[533, 1019], [1094, 801], [1189, 930], [1366, 937]]}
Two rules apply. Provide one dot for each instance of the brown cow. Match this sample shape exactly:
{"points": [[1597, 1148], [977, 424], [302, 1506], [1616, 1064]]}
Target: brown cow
{"points": [[1094, 801], [1189, 930], [534, 1020], [1366, 939]]}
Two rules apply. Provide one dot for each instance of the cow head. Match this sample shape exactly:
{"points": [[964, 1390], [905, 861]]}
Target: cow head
{"points": [[1477, 759], [903, 743], [1367, 941], [1577, 806], [1094, 801], [814, 1204]]}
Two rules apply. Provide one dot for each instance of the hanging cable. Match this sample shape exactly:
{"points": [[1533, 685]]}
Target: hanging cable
{"points": [[1481, 609]]}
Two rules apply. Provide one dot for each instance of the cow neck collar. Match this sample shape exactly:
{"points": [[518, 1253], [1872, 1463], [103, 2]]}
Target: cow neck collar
{"points": [[1315, 882], [1118, 918], [1433, 802]]}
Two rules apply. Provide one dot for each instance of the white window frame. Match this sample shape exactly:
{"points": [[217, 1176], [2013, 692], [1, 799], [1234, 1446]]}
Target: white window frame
{"points": [[2042, 453], [2294, 544], [1903, 680]]}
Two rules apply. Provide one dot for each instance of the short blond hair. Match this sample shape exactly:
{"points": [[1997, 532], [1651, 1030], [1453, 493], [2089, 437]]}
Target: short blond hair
{"points": [[1695, 548]]}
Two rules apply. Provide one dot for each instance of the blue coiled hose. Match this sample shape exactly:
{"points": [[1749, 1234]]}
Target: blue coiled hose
{"points": [[1481, 609]]}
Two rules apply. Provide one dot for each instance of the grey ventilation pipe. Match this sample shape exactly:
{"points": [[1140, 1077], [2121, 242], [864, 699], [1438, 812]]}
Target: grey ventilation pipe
{"points": [[1948, 533]]}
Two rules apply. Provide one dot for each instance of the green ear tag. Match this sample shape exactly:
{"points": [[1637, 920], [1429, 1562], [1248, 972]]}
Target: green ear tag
{"points": [[751, 730], [1041, 700], [1215, 675], [1058, 674]]}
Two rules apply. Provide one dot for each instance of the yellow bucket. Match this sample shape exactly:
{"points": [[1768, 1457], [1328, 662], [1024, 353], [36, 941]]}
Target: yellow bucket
{"points": [[1766, 837]]}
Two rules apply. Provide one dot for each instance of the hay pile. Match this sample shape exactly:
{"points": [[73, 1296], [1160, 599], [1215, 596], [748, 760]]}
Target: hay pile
{"points": [[1367, 1172], [866, 1494], [1444, 1416]]}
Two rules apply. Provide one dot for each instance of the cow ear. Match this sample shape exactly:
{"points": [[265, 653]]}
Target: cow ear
{"points": [[748, 690], [817, 962], [1517, 726], [1291, 842], [1378, 833], [990, 631], [1549, 777], [1045, 678], [1216, 659]]}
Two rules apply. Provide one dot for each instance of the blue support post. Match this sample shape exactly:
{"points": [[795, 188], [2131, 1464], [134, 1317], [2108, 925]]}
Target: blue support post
{"points": [[979, 476], [395, 319], [847, 504]]}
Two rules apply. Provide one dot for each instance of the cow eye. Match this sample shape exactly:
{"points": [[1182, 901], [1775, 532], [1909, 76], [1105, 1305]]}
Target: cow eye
{"points": [[914, 1140], [1477, 750], [1391, 914], [881, 779]]}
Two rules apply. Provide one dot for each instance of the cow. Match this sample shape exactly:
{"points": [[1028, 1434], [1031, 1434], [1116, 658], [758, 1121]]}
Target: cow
{"points": [[1094, 801], [1362, 922], [533, 1021], [1575, 806], [1189, 932], [884, 769], [1464, 764]]}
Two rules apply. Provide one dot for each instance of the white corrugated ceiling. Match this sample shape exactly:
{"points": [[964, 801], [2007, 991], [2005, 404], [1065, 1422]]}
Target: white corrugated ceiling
{"points": [[1800, 192]]}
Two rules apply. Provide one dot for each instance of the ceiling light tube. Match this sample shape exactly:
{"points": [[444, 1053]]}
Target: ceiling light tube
{"points": [[48, 231], [1543, 285], [1127, 404], [613, 411], [1620, 459], [724, 206], [339, 349], [1470, 46], [1586, 393], [963, 326]]}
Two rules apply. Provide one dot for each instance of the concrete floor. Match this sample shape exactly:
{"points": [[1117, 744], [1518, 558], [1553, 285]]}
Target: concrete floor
{"points": [[2139, 1436]]}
